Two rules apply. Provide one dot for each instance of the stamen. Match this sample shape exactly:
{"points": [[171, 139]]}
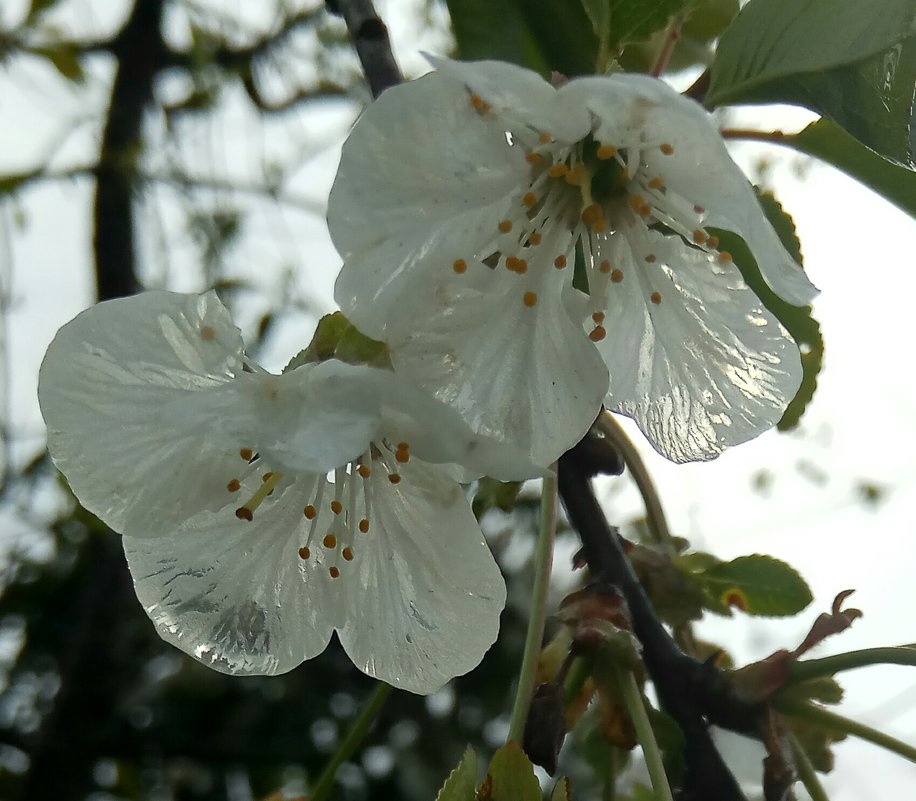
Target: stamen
{"points": [[559, 262], [394, 478], [533, 158], [598, 317], [478, 103], [334, 571], [364, 470], [530, 299], [656, 183], [666, 149], [656, 298], [557, 170], [545, 137], [651, 258], [712, 242], [535, 238], [347, 553], [725, 256], [529, 199], [505, 226], [336, 507], [234, 486], [329, 541], [364, 526], [304, 552], [605, 266], [267, 476], [244, 513], [246, 454], [606, 152], [636, 202], [207, 333], [460, 266], [310, 512], [699, 236], [617, 276], [597, 334]]}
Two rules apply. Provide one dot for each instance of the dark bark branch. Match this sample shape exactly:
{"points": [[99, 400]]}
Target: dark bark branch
{"points": [[141, 54], [370, 40], [690, 692]]}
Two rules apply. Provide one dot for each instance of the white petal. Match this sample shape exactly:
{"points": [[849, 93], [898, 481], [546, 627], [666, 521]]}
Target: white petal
{"points": [[706, 368], [106, 385], [311, 419], [634, 108], [518, 96], [235, 594], [525, 375], [419, 159], [423, 593]]}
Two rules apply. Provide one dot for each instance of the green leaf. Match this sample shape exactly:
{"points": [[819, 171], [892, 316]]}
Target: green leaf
{"points": [[852, 62], [510, 777], [462, 781], [827, 141], [493, 494], [336, 338], [561, 791], [544, 36], [637, 20], [798, 321], [760, 585]]}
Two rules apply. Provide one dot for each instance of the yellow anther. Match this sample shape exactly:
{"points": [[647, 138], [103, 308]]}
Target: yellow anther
{"points": [[656, 298], [234, 486], [712, 242], [656, 183], [557, 170], [208, 333], [402, 456], [606, 152], [329, 541], [512, 263], [505, 226], [599, 226], [334, 571], [530, 299], [364, 471], [636, 202], [645, 209], [545, 137], [267, 476], [364, 526], [535, 238], [617, 276], [460, 266], [699, 236], [336, 507], [347, 553], [244, 513], [651, 258], [533, 158], [577, 175], [725, 256], [246, 454], [597, 334], [666, 149], [310, 512], [403, 446], [522, 267], [559, 262], [591, 213], [529, 199], [479, 104], [699, 209], [304, 553], [394, 478], [598, 317], [605, 266]]}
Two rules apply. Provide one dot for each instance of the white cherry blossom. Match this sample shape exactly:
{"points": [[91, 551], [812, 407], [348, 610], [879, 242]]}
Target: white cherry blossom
{"points": [[260, 512], [528, 252]]}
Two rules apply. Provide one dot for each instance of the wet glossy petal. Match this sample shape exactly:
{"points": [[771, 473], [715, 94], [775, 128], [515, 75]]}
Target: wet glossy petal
{"points": [[236, 594], [519, 373], [694, 356], [109, 389], [420, 169], [423, 594], [695, 163]]}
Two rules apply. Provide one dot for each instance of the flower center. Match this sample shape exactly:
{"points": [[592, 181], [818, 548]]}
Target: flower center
{"points": [[331, 527]]}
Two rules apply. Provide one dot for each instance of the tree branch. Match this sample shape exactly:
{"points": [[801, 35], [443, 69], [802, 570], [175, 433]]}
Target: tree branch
{"points": [[370, 39]]}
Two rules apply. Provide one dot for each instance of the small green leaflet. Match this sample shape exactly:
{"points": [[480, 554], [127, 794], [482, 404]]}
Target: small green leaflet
{"points": [[510, 777], [336, 338], [462, 781], [759, 585], [798, 321]]}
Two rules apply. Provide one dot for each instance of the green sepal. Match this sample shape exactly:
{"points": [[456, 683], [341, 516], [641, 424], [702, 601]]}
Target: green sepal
{"points": [[337, 338]]}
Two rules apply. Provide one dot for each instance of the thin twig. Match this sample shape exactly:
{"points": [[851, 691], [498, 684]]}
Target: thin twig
{"points": [[370, 40]]}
